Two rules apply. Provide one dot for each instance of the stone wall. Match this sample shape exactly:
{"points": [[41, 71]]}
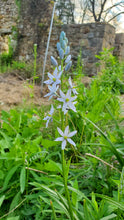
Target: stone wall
{"points": [[119, 46], [33, 24], [8, 20], [89, 38], [33, 28]]}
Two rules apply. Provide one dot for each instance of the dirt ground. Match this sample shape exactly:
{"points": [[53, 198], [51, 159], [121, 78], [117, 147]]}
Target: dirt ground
{"points": [[15, 91]]}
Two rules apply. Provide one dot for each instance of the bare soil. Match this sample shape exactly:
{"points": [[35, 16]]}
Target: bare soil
{"points": [[15, 91]]}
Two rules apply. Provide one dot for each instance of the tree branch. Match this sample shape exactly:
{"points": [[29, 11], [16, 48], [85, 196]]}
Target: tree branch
{"points": [[122, 12]]}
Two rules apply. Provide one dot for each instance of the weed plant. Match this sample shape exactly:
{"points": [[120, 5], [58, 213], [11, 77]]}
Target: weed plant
{"points": [[49, 172], [111, 75]]}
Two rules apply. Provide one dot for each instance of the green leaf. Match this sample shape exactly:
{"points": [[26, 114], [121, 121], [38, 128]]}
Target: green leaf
{"points": [[15, 201], [66, 169], [53, 195], [74, 194], [8, 177], [109, 217], [7, 139], [13, 218], [118, 205], [47, 143], [1, 200], [53, 166], [94, 203], [22, 179], [111, 145]]}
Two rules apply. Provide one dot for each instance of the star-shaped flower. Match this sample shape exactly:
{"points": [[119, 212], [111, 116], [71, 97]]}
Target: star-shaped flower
{"points": [[67, 101], [65, 137], [49, 116], [55, 78], [72, 87], [53, 89]]}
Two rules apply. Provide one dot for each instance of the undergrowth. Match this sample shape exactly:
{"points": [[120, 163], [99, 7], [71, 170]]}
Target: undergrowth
{"points": [[31, 169]]}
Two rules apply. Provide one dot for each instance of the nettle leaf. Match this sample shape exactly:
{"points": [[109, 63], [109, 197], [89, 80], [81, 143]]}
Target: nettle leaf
{"points": [[7, 140], [27, 133], [48, 143], [22, 179], [53, 166]]}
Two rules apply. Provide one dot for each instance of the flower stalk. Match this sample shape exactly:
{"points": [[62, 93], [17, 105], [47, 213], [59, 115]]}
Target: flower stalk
{"points": [[67, 101]]}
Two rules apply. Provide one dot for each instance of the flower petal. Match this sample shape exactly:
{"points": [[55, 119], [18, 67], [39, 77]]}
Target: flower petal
{"points": [[72, 133], [60, 131], [62, 94], [63, 144], [71, 106], [66, 131], [71, 142], [59, 139]]}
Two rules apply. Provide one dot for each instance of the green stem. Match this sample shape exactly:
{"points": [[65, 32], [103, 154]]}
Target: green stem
{"points": [[63, 159], [66, 187]]}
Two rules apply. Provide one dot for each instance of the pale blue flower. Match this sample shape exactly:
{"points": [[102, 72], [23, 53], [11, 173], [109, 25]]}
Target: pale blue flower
{"points": [[72, 86], [66, 40], [54, 61], [53, 89], [68, 66], [67, 51], [58, 46], [62, 36], [66, 137], [49, 116], [61, 53], [68, 59], [67, 101], [63, 45], [55, 77]]}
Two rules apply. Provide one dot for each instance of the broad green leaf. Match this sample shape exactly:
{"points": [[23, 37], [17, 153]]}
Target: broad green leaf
{"points": [[53, 166], [2, 199], [7, 140], [22, 179], [8, 177], [14, 202], [47, 143]]}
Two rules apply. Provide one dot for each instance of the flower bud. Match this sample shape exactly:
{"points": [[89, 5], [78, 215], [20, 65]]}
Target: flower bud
{"points": [[68, 59], [68, 66], [62, 35], [63, 44], [53, 61], [67, 51], [58, 46], [61, 53]]}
